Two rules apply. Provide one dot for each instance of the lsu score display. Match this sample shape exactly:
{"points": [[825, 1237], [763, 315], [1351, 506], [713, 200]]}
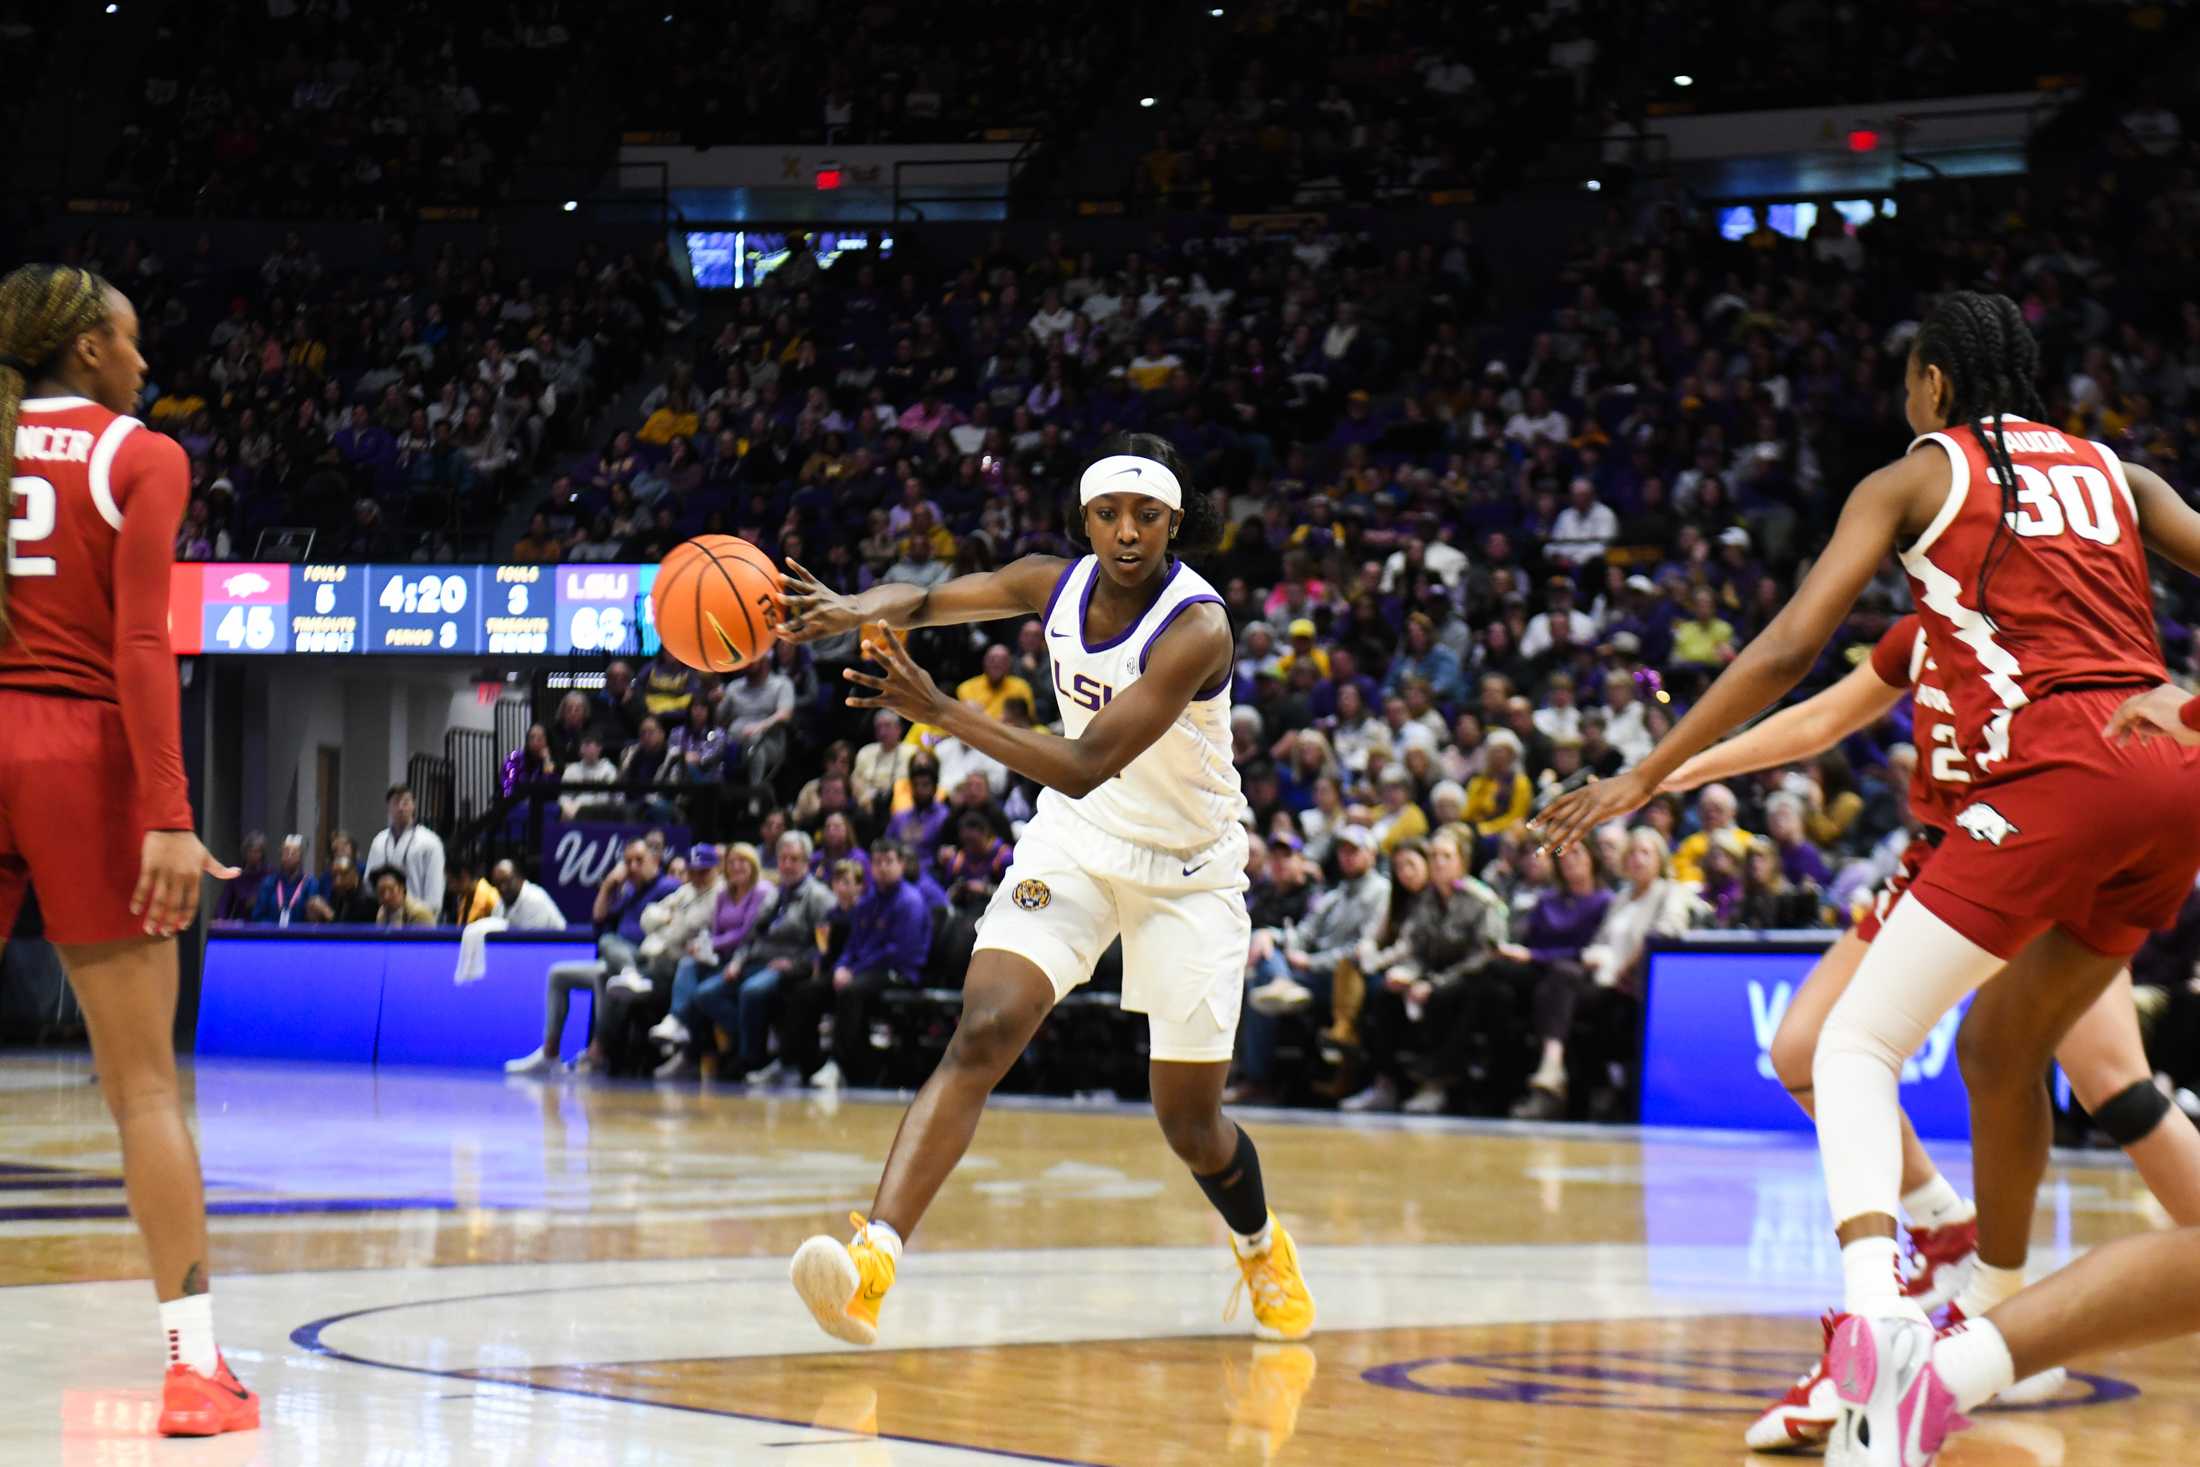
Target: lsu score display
{"points": [[404, 610]]}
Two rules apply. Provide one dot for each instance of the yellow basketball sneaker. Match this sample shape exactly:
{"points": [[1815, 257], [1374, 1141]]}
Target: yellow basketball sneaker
{"points": [[1264, 1402], [1282, 1307], [844, 1283]]}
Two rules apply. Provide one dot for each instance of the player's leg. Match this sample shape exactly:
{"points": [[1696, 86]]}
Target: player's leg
{"points": [[2107, 1064], [1918, 969], [2132, 1292], [1943, 1223], [1005, 999], [128, 993], [1183, 952], [2007, 1041], [1187, 1101], [1795, 1045]]}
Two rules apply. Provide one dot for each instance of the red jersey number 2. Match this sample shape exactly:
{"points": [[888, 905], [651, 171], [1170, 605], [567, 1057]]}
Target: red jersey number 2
{"points": [[34, 522]]}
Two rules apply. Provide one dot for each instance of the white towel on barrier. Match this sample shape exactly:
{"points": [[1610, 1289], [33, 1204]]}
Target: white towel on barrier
{"points": [[473, 956]]}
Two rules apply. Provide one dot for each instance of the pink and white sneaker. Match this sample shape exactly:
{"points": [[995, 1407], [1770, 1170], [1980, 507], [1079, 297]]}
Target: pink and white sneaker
{"points": [[1895, 1412], [1802, 1418], [1940, 1263]]}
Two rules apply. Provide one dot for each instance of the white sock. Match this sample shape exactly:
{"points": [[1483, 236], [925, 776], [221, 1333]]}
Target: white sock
{"points": [[189, 1325], [1973, 1362], [1988, 1289], [1867, 1270], [884, 1238], [1937, 1205], [1254, 1245]]}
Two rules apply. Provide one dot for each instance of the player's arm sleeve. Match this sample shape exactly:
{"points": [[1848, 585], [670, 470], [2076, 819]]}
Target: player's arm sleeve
{"points": [[1891, 654], [151, 479]]}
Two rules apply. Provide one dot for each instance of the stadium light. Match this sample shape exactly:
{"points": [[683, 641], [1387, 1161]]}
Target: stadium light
{"points": [[1684, 80], [571, 205], [1594, 184], [1145, 101], [1216, 12], [112, 9]]}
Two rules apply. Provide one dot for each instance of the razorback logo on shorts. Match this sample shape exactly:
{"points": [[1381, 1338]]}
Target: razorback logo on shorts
{"points": [[1032, 895], [1986, 823]]}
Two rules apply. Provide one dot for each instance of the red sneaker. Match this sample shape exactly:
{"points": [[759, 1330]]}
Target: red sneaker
{"points": [[195, 1405], [1803, 1417], [1940, 1262]]}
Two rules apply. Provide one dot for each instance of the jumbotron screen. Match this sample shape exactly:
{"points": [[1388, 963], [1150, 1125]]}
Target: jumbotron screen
{"points": [[429, 610]]}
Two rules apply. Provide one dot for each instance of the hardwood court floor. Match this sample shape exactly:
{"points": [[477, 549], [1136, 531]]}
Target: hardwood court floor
{"points": [[422, 1268]]}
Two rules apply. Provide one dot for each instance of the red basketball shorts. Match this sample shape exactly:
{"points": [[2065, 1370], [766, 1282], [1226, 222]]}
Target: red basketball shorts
{"points": [[1888, 892], [69, 823], [2102, 841]]}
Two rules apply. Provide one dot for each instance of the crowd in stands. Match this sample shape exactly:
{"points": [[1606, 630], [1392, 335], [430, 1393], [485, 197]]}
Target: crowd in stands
{"points": [[347, 111], [392, 410], [1306, 105], [893, 73], [1474, 548], [1480, 540]]}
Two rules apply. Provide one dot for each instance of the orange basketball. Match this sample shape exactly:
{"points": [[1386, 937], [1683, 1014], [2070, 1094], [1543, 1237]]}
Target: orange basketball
{"points": [[716, 603]]}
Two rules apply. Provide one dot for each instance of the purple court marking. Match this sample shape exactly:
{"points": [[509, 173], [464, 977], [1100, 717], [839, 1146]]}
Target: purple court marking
{"points": [[57, 1184], [1574, 1378], [308, 1337], [269, 1207]]}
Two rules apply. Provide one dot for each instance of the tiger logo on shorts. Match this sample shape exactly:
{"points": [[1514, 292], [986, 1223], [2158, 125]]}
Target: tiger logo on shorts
{"points": [[1032, 895]]}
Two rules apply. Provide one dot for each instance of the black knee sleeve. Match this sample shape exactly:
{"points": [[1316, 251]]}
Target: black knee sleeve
{"points": [[2131, 1114]]}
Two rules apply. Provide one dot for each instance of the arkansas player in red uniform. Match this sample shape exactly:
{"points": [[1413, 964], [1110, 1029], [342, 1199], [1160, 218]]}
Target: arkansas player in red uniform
{"points": [[2026, 551], [2103, 1054], [94, 812]]}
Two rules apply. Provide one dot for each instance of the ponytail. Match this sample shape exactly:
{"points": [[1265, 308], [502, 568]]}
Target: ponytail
{"points": [[42, 309]]}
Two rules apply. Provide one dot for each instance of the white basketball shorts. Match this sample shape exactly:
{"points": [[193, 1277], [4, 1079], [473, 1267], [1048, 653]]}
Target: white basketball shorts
{"points": [[1073, 888]]}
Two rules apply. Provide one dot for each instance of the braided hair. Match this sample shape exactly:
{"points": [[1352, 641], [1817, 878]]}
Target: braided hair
{"points": [[42, 309], [1982, 345]]}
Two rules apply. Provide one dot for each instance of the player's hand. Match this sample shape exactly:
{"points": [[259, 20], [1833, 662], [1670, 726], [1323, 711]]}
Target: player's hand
{"points": [[813, 609], [170, 864], [2151, 714], [1572, 816], [904, 687]]}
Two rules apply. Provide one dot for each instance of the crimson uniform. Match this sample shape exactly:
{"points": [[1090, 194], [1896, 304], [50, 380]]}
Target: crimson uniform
{"points": [[2061, 828], [93, 753], [1942, 780]]}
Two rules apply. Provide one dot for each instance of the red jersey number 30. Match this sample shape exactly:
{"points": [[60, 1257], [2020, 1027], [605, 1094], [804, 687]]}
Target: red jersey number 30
{"points": [[2065, 496]]}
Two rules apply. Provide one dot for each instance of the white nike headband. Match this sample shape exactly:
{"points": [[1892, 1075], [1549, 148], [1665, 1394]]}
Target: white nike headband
{"points": [[1127, 473]]}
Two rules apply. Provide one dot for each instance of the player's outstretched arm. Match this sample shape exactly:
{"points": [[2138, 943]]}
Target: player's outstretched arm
{"points": [[1020, 588], [1776, 658], [1796, 732], [1190, 655], [2171, 526]]}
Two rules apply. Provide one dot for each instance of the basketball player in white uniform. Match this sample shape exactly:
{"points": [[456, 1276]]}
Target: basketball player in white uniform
{"points": [[1137, 835]]}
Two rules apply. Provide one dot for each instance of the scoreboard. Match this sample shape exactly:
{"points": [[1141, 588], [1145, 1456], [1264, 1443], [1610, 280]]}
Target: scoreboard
{"points": [[412, 610]]}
